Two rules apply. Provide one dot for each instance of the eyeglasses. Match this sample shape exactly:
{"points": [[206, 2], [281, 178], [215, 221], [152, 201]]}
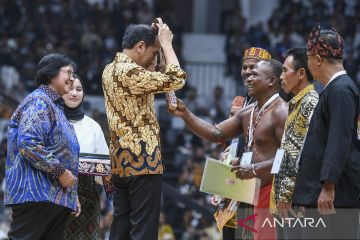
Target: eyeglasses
{"points": [[69, 72]]}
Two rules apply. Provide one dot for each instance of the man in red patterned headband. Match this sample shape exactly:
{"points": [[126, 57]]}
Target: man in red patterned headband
{"points": [[329, 167], [325, 43]]}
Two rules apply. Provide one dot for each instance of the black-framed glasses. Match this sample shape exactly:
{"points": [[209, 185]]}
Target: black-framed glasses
{"points": [[69, 72]]}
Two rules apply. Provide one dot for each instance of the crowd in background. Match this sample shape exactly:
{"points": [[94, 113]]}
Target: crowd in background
{"points": [[289, 25], [89, 32]]}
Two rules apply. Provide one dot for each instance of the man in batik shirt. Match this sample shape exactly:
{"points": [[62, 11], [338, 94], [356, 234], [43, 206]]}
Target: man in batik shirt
{"points": [[136, 162], [297, 80]]}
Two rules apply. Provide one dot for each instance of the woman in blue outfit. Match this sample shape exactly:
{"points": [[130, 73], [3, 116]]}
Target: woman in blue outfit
{"points": [[42, 159]]}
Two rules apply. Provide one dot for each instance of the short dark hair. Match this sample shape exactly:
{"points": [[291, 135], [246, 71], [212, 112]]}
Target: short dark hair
{"points": [[300, 60], [49, 67], [275, 66], [77, 77], [136, 33]]}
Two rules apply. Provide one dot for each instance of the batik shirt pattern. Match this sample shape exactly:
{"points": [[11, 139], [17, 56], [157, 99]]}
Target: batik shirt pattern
{"points": [[297, 123], [41, 145], [129, 100]]}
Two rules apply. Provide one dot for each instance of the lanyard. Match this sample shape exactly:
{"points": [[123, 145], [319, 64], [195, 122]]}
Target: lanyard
{"points": [[252, 126]]}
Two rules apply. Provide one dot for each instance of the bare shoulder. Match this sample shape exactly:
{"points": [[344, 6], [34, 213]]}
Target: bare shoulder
{"points": [[244, 111], [279, 113]]}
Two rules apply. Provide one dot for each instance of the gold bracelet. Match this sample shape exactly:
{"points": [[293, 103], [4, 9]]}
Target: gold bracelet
{"points": [[253, 169], [218, 133]]}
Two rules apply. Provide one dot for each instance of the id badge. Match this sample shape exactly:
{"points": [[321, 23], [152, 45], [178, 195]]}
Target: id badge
{"points": [[246, 158], [277, 161]]}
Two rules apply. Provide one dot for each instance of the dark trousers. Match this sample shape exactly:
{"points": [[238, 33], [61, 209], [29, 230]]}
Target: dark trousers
{"points": [[136, 202], [228, 233], [38, 221]]}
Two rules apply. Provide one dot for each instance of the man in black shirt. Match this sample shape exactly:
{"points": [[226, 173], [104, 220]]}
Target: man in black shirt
{"points": [[329, 168]]}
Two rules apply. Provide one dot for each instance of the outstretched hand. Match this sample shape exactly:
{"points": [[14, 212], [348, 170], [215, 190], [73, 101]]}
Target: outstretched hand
{"points": [[180, 109]]}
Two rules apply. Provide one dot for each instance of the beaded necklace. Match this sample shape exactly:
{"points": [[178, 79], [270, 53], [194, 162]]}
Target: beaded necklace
{"points": [[252, 125]]}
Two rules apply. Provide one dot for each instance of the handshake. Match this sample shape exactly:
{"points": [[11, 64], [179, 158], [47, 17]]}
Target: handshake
{"points": [[177, 107]]}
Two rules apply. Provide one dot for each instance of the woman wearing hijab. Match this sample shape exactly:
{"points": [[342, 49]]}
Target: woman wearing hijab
{"points": [[91, 139]]}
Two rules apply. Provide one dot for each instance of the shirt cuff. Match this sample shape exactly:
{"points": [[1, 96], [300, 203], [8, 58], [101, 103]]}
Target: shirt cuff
{"points": [[58, 170], [172, 69]]}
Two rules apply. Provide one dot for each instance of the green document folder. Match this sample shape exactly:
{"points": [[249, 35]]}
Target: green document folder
{"points": [[218, 179]]}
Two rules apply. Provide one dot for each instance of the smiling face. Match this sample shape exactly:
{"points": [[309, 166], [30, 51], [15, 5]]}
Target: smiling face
{"points": [[75, 95], [63, 81], [260, 79], [247, 67]]}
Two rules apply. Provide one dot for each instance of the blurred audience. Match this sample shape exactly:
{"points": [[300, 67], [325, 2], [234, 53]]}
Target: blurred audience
{"points": [[289, 26], [73, 27], [165, 230]]}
